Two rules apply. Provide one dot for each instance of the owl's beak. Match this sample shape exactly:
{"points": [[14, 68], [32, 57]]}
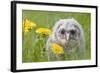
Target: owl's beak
{"points": [[67, 36]]}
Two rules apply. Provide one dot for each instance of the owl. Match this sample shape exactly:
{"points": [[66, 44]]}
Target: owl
{"points": [[68, 33]]}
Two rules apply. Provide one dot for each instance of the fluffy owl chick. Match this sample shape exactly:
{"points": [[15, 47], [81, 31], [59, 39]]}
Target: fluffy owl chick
{"points": [[69, 34]]}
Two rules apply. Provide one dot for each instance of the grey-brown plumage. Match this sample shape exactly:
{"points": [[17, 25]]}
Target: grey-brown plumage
{"points": [[69, 34]]}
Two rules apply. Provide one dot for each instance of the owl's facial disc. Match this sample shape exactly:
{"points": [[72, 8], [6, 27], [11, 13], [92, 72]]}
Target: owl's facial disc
{"points": [[67, 34]]}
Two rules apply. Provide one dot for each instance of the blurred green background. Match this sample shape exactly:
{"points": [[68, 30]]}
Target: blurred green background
{"points": [[31, 46]]}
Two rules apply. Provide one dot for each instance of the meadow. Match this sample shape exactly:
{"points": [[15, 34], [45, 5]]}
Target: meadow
{"points": [[33, 45]]}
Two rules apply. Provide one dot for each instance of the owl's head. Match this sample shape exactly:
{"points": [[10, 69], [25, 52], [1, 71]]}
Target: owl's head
{"points": [[67, 31]]}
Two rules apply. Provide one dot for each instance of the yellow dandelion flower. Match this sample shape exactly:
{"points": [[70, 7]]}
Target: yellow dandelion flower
{"points": [[32, 25], [45, 31], [27, 25], [26, 29], [57, 49]]}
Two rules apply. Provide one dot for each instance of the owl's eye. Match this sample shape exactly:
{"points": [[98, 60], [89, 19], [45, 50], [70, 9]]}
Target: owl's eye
{"points": [[72, 32], [62, 31]]}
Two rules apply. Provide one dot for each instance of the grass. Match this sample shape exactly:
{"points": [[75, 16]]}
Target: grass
{"points": [[32, 46]]}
